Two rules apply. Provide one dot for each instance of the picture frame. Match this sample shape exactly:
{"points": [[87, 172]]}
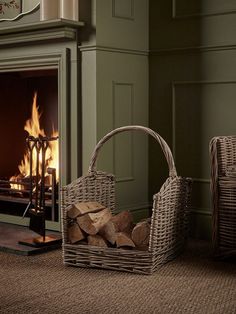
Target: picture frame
{"points": [[9, 9]]}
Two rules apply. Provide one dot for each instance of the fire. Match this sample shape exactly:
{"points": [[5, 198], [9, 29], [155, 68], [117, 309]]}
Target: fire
{"points": [[32, 127]]}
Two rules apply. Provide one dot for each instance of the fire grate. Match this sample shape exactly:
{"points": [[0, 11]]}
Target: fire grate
{"points": [[37, 190]]}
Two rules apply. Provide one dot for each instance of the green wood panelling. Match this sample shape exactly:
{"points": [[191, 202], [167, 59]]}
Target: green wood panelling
{"points": [[123, 9], [123, 144], [196, 8], [192, 90], [122, 99]]}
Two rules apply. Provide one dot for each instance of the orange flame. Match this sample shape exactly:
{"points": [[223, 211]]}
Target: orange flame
{"points": [[32, 127]]}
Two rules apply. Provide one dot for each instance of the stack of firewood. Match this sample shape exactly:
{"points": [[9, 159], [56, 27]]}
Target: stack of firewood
{"points": [[94, 224]]}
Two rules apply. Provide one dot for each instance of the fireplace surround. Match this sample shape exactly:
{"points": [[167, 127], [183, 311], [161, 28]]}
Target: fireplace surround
{"points": [[31, 46]]}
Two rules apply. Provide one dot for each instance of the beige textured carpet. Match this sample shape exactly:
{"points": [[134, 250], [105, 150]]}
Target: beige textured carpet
{"points": [[193, 283]]}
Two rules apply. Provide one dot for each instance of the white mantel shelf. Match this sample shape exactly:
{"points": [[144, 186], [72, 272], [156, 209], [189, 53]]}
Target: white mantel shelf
{"points": [[39, 31]]}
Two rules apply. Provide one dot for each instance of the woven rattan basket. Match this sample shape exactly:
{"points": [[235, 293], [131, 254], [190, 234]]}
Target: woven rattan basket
{"points": [[169, 221], [223, 190]]}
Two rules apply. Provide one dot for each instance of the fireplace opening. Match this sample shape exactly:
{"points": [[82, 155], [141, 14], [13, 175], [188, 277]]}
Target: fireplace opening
{"points": [[28, 109]]}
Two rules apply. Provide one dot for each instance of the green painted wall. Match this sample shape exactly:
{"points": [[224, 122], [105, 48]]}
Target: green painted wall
{"points": [[114, 50], [192, 90]]}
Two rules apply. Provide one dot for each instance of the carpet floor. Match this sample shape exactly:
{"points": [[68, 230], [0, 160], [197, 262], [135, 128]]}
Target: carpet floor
{"points": [[192, 283]]}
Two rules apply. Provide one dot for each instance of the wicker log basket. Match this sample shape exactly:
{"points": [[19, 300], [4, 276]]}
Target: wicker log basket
{"points": [[223, 191], [169, 221]]}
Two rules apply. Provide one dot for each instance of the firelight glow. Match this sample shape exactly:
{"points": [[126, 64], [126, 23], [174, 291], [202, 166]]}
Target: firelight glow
{"points": [[32, 127]]}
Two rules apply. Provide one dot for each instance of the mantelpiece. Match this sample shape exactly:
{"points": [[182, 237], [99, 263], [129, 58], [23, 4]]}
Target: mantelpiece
{"points": [[39, 31]]}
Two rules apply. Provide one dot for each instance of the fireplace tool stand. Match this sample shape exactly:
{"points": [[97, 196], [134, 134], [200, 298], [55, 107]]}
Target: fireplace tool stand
{"points": [[36, 205]]}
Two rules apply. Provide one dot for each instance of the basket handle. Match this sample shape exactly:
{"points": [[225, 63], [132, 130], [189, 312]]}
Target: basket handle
{"points": [[164, 146]]}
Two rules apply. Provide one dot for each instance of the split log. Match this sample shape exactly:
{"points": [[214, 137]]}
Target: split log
{"points": [[122, 239], [123, 221], [75, 234], [140, 234], [96, 240], [91, 223], [72, 211], [108, 232], [82, 208], [96, 225]]}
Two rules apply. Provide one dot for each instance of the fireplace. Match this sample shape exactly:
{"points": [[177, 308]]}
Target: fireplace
{"points": [[39, 58], [29, 110]]}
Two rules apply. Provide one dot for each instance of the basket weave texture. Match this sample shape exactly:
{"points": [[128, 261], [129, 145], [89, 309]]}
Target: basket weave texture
{"points": [[223, 191], [169, 221]]}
